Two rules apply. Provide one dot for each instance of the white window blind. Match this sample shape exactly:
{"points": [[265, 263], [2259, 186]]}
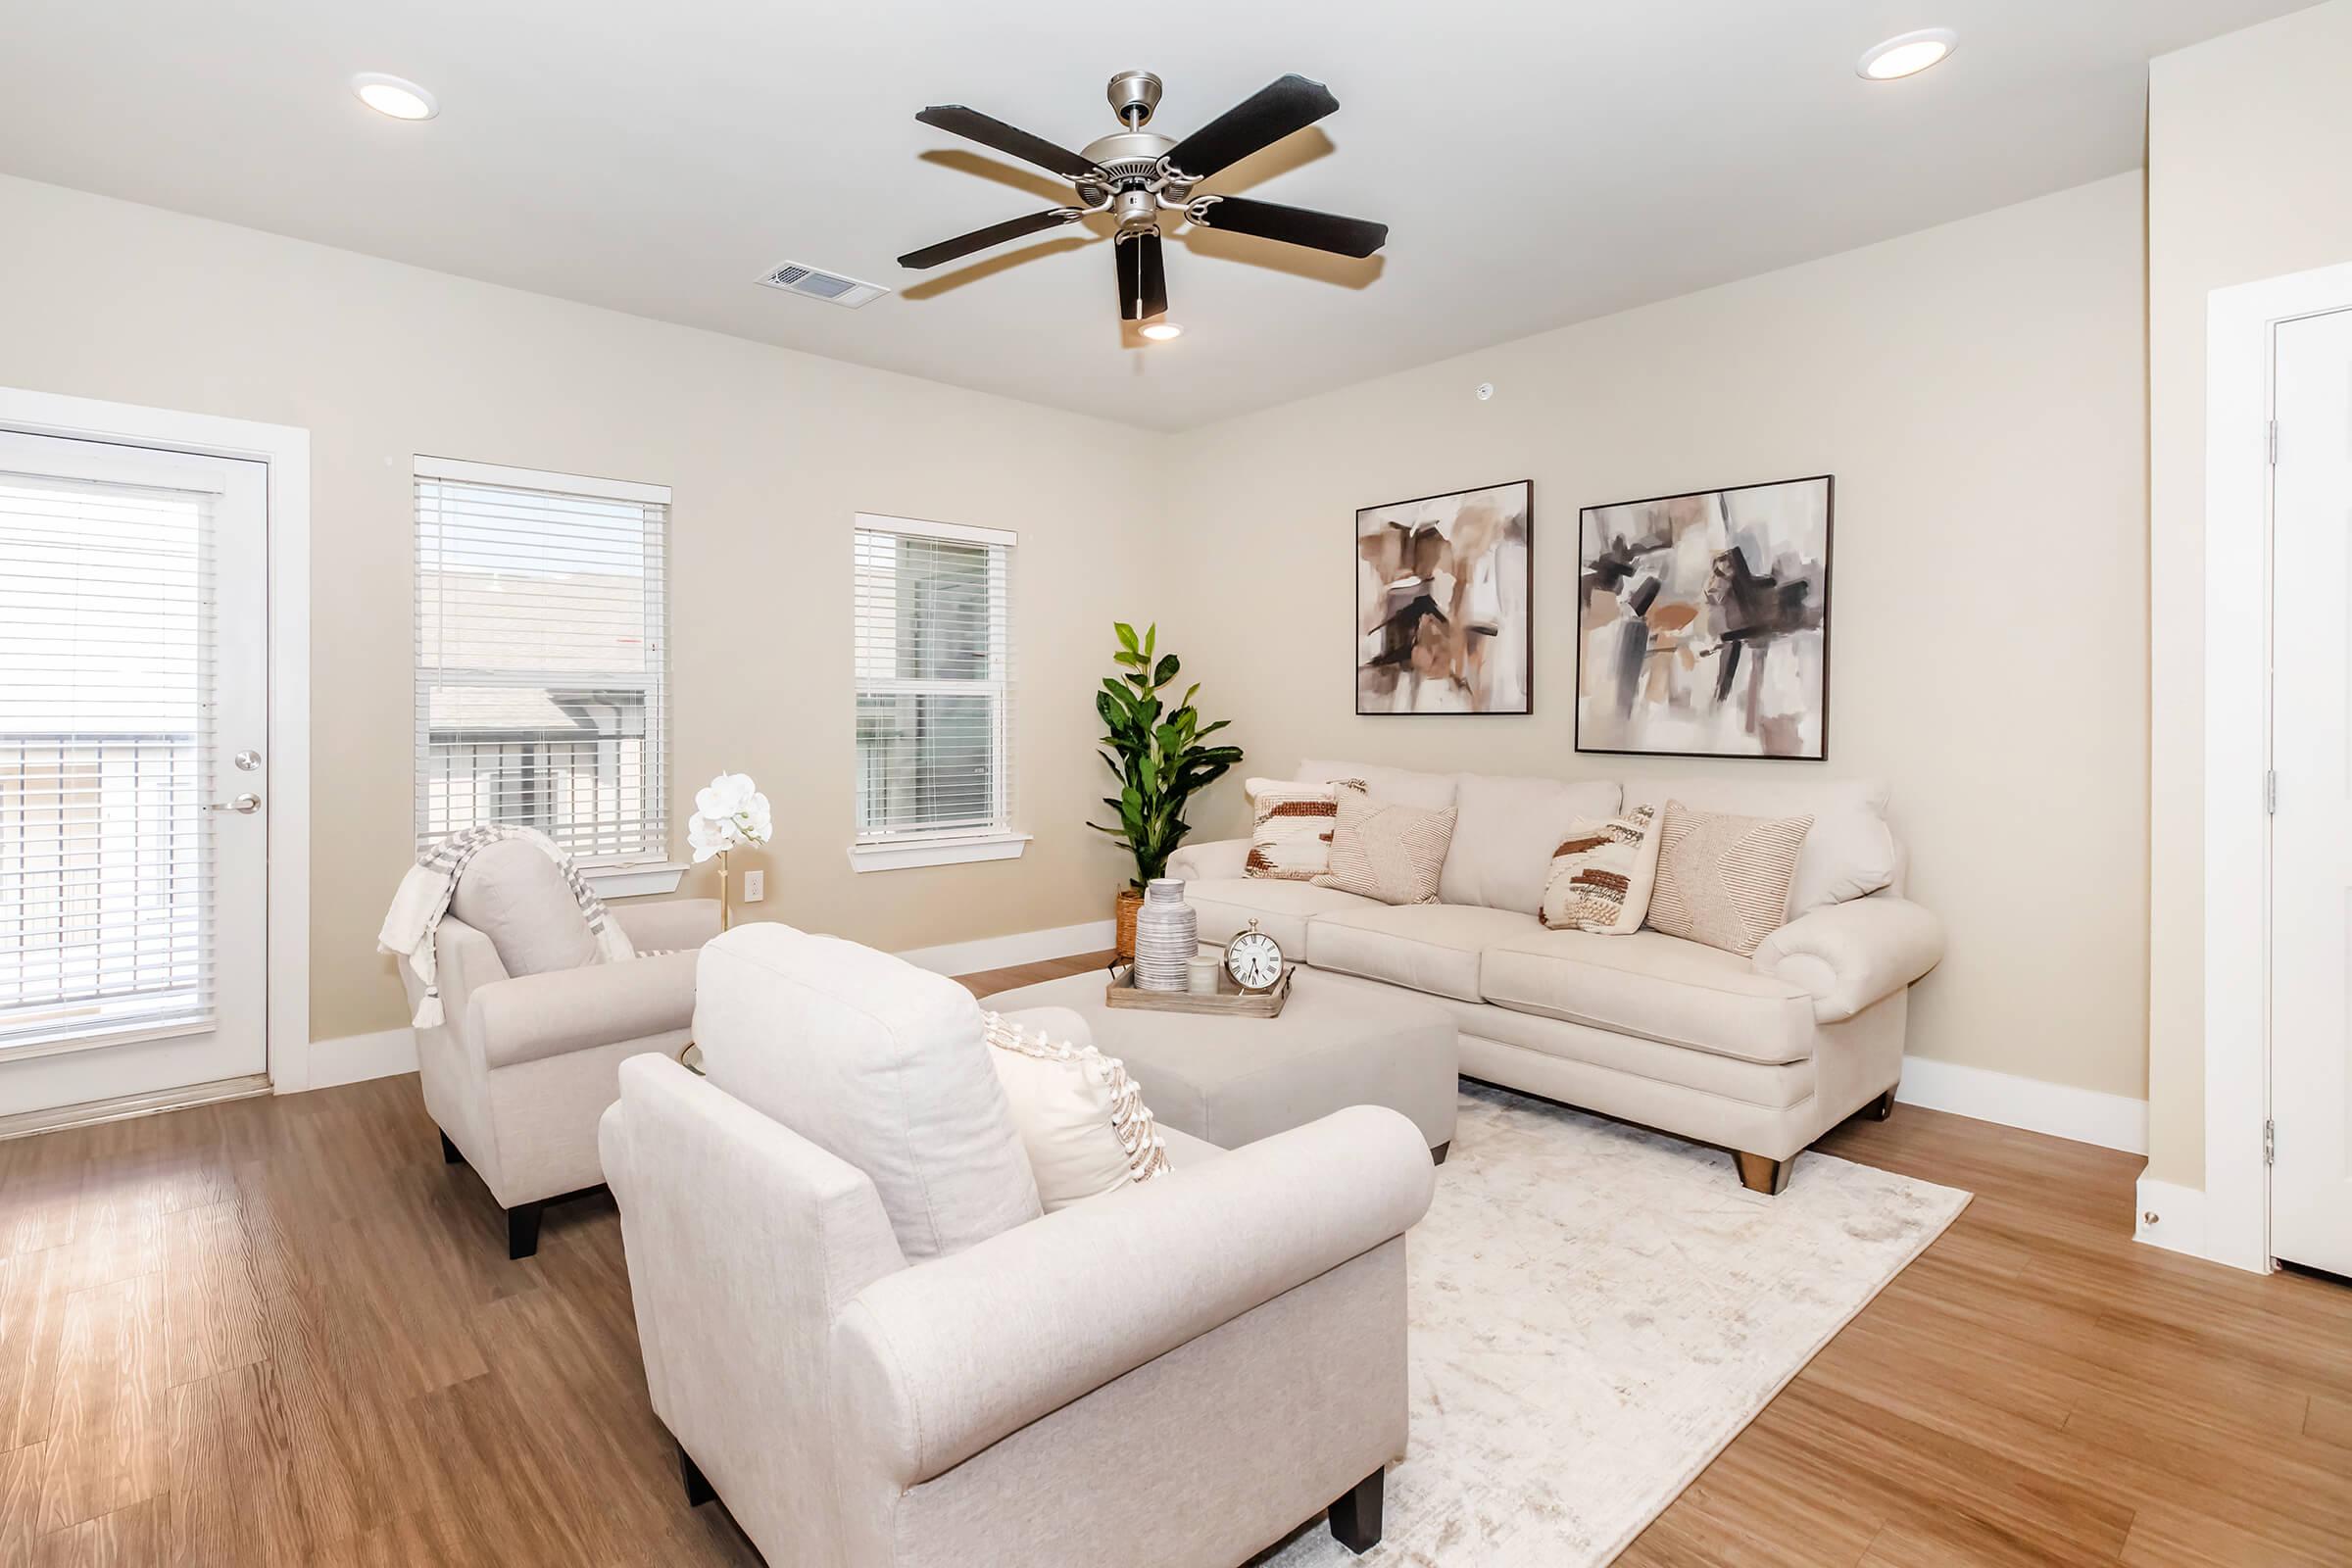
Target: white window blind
{"points": [[934, 673], [541, 654], [106, 696]]}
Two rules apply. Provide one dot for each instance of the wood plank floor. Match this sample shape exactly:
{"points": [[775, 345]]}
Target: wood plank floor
{"points": [[282, 1332]]}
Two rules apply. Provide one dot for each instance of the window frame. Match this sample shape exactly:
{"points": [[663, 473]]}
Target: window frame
{"points": [[616, 874], [997, 839]]}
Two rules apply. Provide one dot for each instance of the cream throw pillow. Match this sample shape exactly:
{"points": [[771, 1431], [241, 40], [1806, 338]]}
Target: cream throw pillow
{"points": [[1602, 874], [1291, 839], [1082, 1119], [1384, 851], [1724, 880]]}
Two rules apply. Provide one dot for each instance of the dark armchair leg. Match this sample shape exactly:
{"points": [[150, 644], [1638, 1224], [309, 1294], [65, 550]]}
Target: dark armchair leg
{"points": [[697, 1486], [449, 1152], [1437, 1155], [523, 1229], [1882, 1108], [1355, 1517], [1767, 1176]]}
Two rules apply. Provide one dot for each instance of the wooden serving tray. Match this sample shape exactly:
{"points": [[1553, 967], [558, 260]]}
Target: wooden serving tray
{"points": [[1230, 1001]]}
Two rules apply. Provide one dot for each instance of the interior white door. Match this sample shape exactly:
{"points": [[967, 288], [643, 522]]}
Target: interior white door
{"points": [[133, 784], [2311, 833]]}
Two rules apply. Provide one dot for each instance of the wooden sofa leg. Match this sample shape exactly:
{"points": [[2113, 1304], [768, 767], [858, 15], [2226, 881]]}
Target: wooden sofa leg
{"points": [[1437, 1155], [1760, 1175], [697, 1486], [1355, 1517], [1882, 1108], [523, 1229], [449, 1152]]}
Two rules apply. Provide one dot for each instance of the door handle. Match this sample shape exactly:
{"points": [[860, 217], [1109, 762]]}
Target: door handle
{"points": [[243, 804]]}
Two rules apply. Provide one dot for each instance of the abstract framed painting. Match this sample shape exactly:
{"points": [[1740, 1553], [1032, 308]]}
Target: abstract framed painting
{"points": [[1703, 623], [1445, 617]]}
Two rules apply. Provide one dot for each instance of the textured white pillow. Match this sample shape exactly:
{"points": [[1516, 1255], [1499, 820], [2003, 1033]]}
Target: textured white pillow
{"points": [[1082, 1119], [1289, 839]]}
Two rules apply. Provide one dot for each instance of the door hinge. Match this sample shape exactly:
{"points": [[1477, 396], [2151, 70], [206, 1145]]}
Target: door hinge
{"points": [[2270, 1143], [2270, 792], [2271, 436]]}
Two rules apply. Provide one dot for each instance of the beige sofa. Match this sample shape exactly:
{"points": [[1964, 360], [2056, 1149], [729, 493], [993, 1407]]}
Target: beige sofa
{"points": [[1760, 1056], [867, 1339]]}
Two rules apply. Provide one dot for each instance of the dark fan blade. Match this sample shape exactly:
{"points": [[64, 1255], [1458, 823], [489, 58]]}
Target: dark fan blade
{"points": [[1006, 138], [980, 239], [1261, 120], [1143, 280], [1293, 225]]}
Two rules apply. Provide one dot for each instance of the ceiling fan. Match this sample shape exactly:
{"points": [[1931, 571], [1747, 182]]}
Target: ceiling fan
{"points": [[1136, 176]]}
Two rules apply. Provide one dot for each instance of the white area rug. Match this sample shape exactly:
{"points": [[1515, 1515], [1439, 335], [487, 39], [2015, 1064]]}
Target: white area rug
{"points": [[1596, 1310]]}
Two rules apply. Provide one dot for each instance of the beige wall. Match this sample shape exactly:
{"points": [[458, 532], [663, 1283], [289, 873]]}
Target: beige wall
{"points": [[768, 453], [1978, 392], [2249, 178]]}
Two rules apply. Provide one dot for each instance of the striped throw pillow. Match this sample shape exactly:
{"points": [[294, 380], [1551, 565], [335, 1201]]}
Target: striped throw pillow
{"points": [[1291, 839], [1724, 880], [1384, 851], [1602, 874]]}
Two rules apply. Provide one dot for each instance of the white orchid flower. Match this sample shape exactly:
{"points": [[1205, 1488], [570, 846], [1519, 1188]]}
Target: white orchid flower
{"points": [[727, 815]]}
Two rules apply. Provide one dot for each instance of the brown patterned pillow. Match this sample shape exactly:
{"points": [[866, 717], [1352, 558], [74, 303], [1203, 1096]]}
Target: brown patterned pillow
{"points": [[1291, 839], [1724, 880], [1384, 851], [1602, 874]]}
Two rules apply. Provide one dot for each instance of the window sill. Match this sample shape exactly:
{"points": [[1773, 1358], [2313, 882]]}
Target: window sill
{"points": [[962, 849], [635, 880]]}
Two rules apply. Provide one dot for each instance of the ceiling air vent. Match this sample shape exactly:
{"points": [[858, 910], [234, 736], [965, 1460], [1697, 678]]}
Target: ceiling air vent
{"points": [[794, 279]]}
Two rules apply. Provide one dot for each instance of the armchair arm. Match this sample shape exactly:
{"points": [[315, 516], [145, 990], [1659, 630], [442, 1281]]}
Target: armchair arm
{"points": [[532, 1016], [936, 1362], [669, 926], [1854, 954], [1219, 860]]}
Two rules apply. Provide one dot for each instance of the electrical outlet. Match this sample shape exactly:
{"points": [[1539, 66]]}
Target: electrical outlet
{"points": [[755, 886]]}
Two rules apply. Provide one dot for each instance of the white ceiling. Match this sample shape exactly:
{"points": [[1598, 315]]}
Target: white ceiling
{"points": [[1538, 162]]}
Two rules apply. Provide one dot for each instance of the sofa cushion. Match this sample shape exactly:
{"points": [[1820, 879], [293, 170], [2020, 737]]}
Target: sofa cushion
{"points": [[515, 896], [1428, 947], [1289, 839], [1226, 904], [1721, 879], [1387, 849], [876, 1063], [1850, 851], [1431, 791], [1504, 831], [1652, 984]]}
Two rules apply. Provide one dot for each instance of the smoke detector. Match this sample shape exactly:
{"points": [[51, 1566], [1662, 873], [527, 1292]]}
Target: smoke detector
{"points": [[795, 277]]}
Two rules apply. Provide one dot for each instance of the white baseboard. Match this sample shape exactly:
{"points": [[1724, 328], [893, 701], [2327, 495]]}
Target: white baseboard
{"points": [[1022, 947], [2085, 1116], [2170, 1216], [355, 1058]]}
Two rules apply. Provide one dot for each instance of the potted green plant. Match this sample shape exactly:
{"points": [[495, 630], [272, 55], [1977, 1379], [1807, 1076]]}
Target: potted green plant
{"points": [[1155, 753]]}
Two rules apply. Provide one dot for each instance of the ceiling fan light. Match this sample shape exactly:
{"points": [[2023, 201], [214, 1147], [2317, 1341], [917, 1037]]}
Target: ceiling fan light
{"points": [[1162, 331], [1907, 54], [394, 96]]}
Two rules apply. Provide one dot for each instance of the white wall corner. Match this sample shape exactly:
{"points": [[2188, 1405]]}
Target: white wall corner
{"points": [[2062, 1110], [2170, 1216]]}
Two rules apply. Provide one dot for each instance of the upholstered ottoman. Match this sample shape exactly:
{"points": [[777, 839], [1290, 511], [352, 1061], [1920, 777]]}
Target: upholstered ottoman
{"points": [[1235, 1079]]}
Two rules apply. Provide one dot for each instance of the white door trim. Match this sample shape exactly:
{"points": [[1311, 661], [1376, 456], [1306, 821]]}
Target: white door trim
{"points": [[2239, 326], [286, 450]]}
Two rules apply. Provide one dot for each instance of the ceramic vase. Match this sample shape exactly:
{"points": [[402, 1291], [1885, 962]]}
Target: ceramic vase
{"points": [[1167, 933]]}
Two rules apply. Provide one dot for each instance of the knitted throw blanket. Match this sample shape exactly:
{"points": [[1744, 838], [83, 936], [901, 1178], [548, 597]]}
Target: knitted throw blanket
{"points": [[413, 922]]}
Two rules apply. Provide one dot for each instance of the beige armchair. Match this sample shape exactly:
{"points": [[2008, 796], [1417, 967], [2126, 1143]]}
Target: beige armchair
{"points": [[866, 1339], [528, 1056]]}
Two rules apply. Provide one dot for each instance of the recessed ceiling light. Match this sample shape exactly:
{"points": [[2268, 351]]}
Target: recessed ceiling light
{"points": [[1907, 54], [396, 96], [1162, 331]]}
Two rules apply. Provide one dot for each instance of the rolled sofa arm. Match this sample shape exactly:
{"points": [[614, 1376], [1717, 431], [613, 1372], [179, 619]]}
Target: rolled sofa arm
{"points": [[1851, 955], [936, 1362], [1219, 860], [533, 1016], [669, 926]]}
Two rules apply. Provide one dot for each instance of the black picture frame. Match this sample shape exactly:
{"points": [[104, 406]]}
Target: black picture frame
{"points": [[1829, 553], [1528, 633]]}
